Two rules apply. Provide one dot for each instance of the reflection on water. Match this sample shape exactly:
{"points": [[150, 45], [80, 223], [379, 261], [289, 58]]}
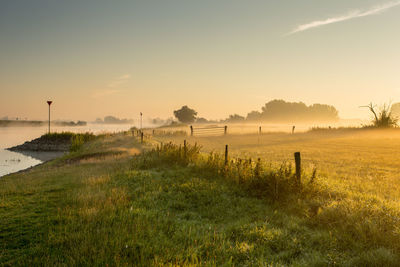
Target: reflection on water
{"points": [[12, 162], [11, 136]]}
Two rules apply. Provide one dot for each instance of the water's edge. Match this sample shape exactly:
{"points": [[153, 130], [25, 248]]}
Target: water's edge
{"points": [[25, 160]]}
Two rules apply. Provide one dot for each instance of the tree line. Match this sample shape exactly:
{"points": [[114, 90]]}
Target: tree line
{"points": [[273, 111]]}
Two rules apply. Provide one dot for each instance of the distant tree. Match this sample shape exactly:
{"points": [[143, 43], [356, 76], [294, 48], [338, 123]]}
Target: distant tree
{"points": [[185, 114], [280, 110], [323, 112], [157, 121], [114, 120], [235, 118], [253, 116]]}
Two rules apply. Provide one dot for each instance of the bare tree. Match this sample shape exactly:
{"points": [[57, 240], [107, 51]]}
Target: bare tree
{"points": [[383, 118]]}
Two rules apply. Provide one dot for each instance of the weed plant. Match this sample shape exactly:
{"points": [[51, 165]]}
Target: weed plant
{"points": [[77, 140], [254, 176]]}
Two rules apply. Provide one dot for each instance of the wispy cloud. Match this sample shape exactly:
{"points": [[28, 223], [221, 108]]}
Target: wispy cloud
{"points": [[351, 15], [119, 80], [112, 86]]}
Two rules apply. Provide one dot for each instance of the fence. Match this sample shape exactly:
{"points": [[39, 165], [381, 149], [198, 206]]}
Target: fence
{"points": [[207, 131]]}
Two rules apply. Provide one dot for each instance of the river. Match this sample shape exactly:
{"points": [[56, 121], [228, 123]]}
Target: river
{"points": [[11, 136]]}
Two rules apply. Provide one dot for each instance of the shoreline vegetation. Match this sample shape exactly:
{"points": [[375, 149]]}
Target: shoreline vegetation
{"points": [[55, 142], [116, 201]]}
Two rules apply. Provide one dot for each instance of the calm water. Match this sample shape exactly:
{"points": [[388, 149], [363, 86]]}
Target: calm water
{"points": [[11, 136]]}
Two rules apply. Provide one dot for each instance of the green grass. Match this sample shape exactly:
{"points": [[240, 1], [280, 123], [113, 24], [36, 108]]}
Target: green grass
{"points": [[106, 205]]}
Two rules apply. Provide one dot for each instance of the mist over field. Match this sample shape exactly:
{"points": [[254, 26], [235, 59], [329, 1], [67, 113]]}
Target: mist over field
{"points": [[200, 133]]}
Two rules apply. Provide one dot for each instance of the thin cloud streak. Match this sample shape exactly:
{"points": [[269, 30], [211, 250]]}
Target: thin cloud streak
{"points": [[120, 80], [116, 82], [352, 15]]}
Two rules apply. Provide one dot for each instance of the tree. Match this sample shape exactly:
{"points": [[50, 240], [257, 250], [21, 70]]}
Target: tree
{"points": [[253, 116], [235, 118], [282, 111], [383, 118], [185, 114]]}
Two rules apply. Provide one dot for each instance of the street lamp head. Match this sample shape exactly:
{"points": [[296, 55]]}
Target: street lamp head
{"points": [[49, 102]]}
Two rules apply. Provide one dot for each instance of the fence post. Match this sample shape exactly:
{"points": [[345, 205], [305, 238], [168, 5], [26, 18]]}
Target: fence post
{"points": [[141, 137], [259, 130], [293, 129], [297, 160], [226, 155], [184, 149], [191, 130], [225, 129], [154, 131]]}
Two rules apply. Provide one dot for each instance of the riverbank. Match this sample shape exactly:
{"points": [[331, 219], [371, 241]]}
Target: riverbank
{"points": [[59, 142], [106, 204], [47, 147]]}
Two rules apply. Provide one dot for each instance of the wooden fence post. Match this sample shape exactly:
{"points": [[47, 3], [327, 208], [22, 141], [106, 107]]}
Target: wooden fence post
{"points": [[191, 130], [259, 130], [141, 137], [226, 155], [225, 130], [297, 160], [184, 149]]}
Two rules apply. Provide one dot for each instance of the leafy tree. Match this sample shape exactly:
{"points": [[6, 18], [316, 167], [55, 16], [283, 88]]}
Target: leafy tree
{"points": [[185, 114], [115, 120], [235, 118], [280, 110], [253, 116]]}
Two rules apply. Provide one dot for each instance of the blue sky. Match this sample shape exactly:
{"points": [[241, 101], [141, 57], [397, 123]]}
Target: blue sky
{"points": [[95, 58]]}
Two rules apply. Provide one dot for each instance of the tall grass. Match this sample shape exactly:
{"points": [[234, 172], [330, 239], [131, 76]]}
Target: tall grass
{"points": [[172, 206], [77, 140], [358, 220], [256, 177]]}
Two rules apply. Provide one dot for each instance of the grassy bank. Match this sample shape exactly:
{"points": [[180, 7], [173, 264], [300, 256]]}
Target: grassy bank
{"points": [[104, 204]]}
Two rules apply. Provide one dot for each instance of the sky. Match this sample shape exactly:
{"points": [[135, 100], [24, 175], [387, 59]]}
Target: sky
{"points": [[98, 58]]}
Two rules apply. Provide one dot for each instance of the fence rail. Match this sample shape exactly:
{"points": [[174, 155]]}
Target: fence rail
{"points": [[211, 130]]}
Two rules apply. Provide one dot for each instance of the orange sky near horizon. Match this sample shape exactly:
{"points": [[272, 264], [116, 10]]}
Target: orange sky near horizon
{"points": [[97, 58]]}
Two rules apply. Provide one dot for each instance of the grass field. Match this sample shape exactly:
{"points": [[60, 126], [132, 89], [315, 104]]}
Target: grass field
{"points": [[99, 206]]}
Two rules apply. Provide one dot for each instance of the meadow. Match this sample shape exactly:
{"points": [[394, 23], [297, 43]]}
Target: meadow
{"points": [[118, 202]]}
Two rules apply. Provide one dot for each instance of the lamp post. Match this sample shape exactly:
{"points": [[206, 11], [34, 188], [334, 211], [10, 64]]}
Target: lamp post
{"points": [[49, 103], [141, 115]]}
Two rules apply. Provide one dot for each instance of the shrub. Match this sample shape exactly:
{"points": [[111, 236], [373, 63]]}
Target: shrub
{"points": [[383, 118]]}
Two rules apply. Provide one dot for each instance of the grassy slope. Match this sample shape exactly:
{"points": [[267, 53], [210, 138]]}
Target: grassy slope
{"points": [[95, 208]]}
